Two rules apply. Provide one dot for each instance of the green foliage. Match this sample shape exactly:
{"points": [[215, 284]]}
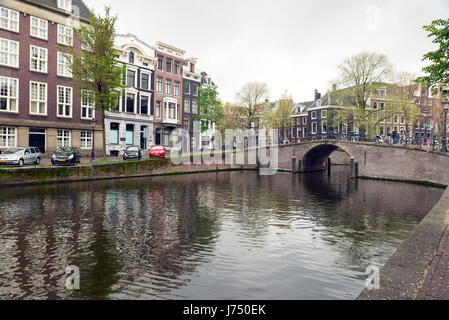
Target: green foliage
{"points": [[211, 110], [438, 71], [95, 68]]}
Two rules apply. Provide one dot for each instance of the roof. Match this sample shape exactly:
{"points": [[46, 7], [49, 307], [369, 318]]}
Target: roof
{"points": [[83, 11]]}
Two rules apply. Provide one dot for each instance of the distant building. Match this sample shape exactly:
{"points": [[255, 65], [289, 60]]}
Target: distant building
{"points": [[191, 83], [131, 122]]}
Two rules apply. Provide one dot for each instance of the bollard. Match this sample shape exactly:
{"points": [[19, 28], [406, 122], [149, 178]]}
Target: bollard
{"points": [[294, 164]]}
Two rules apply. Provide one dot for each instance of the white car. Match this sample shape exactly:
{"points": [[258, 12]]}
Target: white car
{"points": [[21, 156]]}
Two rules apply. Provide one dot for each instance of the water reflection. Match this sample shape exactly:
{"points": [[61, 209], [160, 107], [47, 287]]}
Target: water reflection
{"points": [[208, 236]]}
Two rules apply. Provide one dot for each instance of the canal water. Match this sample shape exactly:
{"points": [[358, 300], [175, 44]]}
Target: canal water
{"points": [[229, 235]]}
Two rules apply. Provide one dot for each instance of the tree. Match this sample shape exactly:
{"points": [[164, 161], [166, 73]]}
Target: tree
{"points": [[230, 119], [250, 99], [437, 77], [438, 72], [360, 76], [211, 110], [95, 68]]}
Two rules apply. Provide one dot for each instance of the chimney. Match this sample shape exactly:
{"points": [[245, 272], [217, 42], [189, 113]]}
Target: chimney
{"points": [[317, 95]]}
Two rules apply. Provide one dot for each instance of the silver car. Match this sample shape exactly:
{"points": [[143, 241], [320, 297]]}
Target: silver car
{"points": [[21, 156]]}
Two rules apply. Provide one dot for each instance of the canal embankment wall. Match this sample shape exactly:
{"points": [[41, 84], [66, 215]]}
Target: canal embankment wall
{"points": [[142, 168]]}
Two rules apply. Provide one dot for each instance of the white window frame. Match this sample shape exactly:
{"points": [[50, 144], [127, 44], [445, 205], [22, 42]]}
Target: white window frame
{"points": [[10, 97], [168, 87], [149, 80], [39, 59], [86, 140], [38, 28], [323, 114], [65, 103], [314, 124], [66, 33], [159, 89], [88, 104], [9, 53], [39, 98], [314, 115], [9, 21], [65, 136], [66, 72], [195, 106], [65, 5], [176, 88], [322, 126], [8, 134]]}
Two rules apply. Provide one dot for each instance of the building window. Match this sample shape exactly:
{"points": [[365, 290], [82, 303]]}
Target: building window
{"points": [[7, 137], [192, 67], [324, 127], [131, 57], [65, 35], [39, 58], [314, 115], [186, 123], [169, 65], [64, 64], [187, 105], [177, 67], [396, 119], [63, 139], [9, 19], [39, 28], [38, 98], [195, 106], [160, 62], [304, 121], [65, 5], [8, 94], [375, 105], [131, 78], [144, 105], [130, 134], [168, 86], [87, 104], [145, 81], [86, 140], [194, 89], [172, 111], [314, 127], [176, 89], [130, 102], [402, 120], [159, 85], [158, 109], [323, 114], [382, 105], [64, 101], [9, 53], [186, 88], [114, 133]]}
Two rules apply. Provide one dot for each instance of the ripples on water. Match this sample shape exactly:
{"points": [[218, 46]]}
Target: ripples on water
{"points": [[206, 236]]}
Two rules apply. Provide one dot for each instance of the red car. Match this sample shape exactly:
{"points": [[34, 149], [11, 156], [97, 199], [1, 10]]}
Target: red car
{"points": [[157, 152]]}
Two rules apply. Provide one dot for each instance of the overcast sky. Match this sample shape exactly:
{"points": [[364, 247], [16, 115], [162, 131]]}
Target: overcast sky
{"points": [[288, 44]]}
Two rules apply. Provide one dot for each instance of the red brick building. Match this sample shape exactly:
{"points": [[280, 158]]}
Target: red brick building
{"points": [[38, 104], [168, 92]]}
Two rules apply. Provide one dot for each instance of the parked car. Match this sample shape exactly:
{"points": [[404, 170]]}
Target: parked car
{"points": [[67, 156], [21, 156], [132, 153], [157, 152]]}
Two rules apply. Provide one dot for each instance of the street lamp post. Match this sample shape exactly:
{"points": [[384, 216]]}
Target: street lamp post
{"points": [[93, 123], [446, 109]]}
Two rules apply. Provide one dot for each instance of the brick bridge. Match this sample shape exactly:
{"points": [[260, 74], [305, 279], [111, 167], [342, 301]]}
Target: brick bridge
{"points": [[369, 160]]}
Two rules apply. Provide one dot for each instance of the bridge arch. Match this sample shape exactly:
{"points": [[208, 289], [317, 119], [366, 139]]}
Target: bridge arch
{"points": [[315, 158]]}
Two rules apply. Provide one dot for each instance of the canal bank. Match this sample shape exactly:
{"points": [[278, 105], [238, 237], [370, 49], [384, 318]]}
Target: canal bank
{"points": [[419, 270]]}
